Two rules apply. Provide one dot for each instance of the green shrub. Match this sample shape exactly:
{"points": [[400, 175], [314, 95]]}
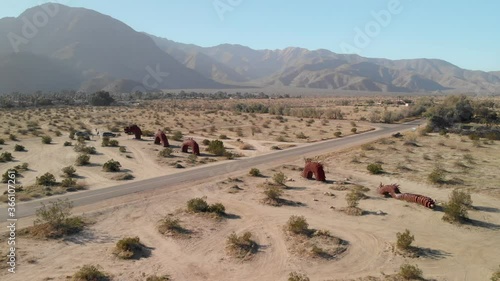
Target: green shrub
{"points": [[90, 273], [354, 130], [114, 143], [128, 248], [170, 225], [241, 246], [409, 272], [122, 149], [298, 225], [46, 179], [295, 276], [273, 193], [105, 141], [223, 137], [82, 160], [353, 197], [404, 240], [54, 220], [337, 134], [46, 140], [254, 172], [166, 152], [279, 178], [69, 171], [197, 205], [375, 168], [437, 175], [7, 176], [111, 166], [68, 143], [80, 147], [216, 147], [6, 157], [177, 136], [455, 210], [217, 209], [68, 182], [19, 147]]}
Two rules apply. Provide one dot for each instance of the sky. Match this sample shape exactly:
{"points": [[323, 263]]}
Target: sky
{"points": [[465, 33]]}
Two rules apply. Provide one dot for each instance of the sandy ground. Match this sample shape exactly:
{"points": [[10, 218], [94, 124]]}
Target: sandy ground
{"points": [[454, 252]]}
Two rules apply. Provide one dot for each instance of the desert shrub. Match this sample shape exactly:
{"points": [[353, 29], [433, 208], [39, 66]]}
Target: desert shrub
{"points": [[217, 209], [279, 178], [69, 171], [72, 134], [54, 220], [455, 210], [169, 225], [273, 193], [19, 147], [80, 147], [298, 225], [375, 168], [46, 179], [128, 247], [205, 142], [111, 166], [223, 137], [409, 272], [2, 141], [105, 141], [90, 273], [46, 140], [301, 135], [404, 240], [216, 147], [197, 205], [295, 276], [353, 198], [241, 246], [114, 143], [354, 130], [167, 152], [437, 175], [82, 160], [23, 167], [158, 278], [177, 136], [122, 149], [6, 157], [13, 137], [254, 172], [367, 146], [58, 133], [337, 134], [68, 182], [496, 275], [68, 143], [7, 176]]}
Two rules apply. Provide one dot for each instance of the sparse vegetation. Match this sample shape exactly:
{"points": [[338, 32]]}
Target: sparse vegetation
{"points": [[128, 248], [254, 172], [375, 168], [216, 147], [46, 179], [82, 160], [295, 276], [55, 220], [279, 178], [19, 147], [111, 166], [437, 175], [90, 273], [166, 152], [241, 246], [455, 210], [404, 240], [46, 140], [6, 157], [410, 272], [69, 171], [298, 225]]}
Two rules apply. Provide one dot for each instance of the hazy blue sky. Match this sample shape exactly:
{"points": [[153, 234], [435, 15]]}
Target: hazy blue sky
{"points": [[465, 33]]}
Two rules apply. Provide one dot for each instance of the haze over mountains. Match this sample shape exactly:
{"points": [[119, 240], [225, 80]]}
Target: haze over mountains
{"points": [[81, 49]]}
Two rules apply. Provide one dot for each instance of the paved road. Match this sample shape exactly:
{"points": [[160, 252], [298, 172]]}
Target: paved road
{"points": [[25, 209]]}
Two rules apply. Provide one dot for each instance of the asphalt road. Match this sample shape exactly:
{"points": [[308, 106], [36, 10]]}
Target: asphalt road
{"points": [[25, 209]]}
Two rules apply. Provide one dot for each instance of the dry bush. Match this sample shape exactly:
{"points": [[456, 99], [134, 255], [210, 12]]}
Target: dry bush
{"points": [[128, 248], [241, 246], [298, 225], [90, 273], [254, 172], [279, 178], [455, 210], [158, 278], [246, 146], [55, 220], [404, 240], [410, 272], [295, 276]]}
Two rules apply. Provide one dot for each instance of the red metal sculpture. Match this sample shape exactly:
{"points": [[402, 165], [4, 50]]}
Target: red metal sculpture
{"points": [[161, 138], [190, 143], [135, 130], [314, 168], [394, 192]]}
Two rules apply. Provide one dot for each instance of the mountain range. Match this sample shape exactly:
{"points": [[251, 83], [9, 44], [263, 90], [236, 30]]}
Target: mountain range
{"points": [[54, 47]]}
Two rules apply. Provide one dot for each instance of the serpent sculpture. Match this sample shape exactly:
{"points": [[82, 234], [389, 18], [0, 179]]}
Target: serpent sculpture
{"points": [[393, 191]]}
